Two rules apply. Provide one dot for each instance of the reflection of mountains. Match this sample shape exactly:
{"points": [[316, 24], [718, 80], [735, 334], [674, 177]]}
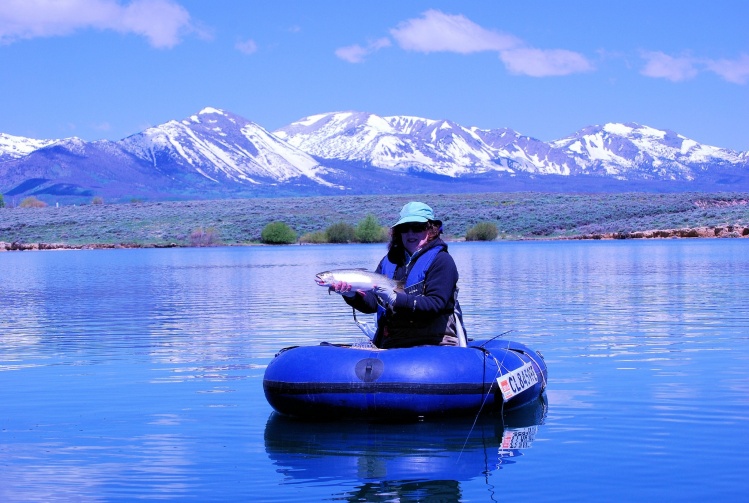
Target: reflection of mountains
{"points": [[413, 460]]}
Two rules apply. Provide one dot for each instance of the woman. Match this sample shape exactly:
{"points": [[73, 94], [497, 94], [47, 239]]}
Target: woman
{"points": [[425, 312]]}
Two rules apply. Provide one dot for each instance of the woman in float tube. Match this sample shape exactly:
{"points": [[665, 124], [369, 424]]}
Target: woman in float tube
{"points": [[426, 312]]}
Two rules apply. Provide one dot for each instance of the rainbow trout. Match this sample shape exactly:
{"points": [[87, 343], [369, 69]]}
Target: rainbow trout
{"points": [[359, 279]]}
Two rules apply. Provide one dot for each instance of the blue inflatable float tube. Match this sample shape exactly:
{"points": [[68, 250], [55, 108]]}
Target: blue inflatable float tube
{"points": [[347, 382]]}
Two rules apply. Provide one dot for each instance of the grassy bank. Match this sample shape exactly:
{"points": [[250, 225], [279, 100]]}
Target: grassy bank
{"points": [[240, 221]]}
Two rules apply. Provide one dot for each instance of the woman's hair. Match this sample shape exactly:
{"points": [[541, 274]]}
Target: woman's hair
{"points": [[434, 229]]}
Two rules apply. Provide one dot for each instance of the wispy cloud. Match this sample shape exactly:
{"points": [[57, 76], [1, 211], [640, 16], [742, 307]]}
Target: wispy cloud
{"points": [[662, 66], [544, 63], [162, 22], [436, 31], [732, 70], [356, 53], [246, 46], [439, 32], [681, 68]]}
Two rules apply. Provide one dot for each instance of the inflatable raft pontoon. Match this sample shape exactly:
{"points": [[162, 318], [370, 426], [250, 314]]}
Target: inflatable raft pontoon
{"points": [[347, 382]]}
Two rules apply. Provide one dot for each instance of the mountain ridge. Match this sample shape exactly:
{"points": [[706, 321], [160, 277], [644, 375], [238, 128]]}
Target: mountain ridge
{"points": [[217, 154]]}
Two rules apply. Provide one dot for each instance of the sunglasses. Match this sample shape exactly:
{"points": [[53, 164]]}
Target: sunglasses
{"points": [[414, 227]]}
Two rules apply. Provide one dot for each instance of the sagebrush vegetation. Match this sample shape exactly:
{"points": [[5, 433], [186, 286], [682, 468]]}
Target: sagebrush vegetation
{"points": [[278, 233], [241, 221], [482, 231]]}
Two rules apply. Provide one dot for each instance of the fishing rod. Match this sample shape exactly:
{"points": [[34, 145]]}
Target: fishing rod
{"points": [[495, 337]]}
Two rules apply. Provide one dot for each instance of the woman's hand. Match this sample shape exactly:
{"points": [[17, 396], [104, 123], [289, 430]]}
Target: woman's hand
{"points": [[386, 295], [343, 288]]}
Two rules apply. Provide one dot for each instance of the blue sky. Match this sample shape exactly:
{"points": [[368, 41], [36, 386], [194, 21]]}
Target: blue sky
{"points": [[106, 69]]}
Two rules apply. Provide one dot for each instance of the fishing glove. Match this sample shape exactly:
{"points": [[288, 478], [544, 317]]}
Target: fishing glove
{"points": [[385, 295]]}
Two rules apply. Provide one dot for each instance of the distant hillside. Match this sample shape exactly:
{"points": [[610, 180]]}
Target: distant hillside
{"points": [[517, 215]]}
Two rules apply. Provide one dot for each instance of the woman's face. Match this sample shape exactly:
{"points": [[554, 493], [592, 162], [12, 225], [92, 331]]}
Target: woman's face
{"points": [[414, 235]]}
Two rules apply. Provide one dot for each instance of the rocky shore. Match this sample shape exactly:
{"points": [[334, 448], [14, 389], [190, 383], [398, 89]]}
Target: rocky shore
{"points": [[730, 231], [64, 246]]}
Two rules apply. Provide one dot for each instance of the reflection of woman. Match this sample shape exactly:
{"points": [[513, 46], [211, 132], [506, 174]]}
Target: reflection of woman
{"points": [[430, 491], [425, 313]]}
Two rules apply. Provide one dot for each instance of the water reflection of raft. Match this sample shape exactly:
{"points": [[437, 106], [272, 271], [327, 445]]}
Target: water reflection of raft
{"points": [[337, 381], [456, 449]]}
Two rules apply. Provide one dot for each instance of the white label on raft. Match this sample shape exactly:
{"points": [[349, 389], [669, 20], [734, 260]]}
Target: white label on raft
{"points": [[517, 381]]}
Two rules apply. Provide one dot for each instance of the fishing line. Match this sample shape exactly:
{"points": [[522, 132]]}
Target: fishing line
{"points": [[365, 327], [491, 386], [530, 355], [486, 397]]}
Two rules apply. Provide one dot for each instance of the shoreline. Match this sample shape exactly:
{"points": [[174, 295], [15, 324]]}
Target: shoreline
{"points": [[240, 222], [727, 231], [723, 232]]}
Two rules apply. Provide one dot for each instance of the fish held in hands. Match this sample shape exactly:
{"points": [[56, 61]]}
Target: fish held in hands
{"points": [[358, 279]]}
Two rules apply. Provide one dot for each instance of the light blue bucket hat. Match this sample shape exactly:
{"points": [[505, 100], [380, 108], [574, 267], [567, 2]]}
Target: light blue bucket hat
{"points": [[416, 212]]}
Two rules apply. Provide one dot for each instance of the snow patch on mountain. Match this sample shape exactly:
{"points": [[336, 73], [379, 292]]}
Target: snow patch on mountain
{"points": [[632, 150], [399, 143], [221, 146], [15, 147], [406, 143]]}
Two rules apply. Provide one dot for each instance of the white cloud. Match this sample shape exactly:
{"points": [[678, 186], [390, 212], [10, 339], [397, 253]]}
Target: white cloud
{"points": [[681, 68], [735, 71], [352, 53], [246, 46], [544, 63], [161, 22], [356, 53], [662, 66], [436, 31]]}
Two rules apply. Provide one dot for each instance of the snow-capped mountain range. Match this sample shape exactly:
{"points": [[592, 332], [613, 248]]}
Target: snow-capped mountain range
{"points": [[215, 153], [622, 151], [221, 146]]}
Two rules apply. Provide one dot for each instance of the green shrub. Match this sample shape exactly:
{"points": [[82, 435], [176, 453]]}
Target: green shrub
{"points": [[32, 202], [2, 201], [278, 233], [369, 230], [317, 237], [482, 231], [97, 200], [340, 233]]}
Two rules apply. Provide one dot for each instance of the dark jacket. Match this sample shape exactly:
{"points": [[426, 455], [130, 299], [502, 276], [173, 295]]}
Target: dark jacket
{"points": [[418, 318]]}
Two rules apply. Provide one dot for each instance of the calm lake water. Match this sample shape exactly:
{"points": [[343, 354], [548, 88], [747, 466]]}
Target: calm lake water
{"points": [[137, 375]]}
